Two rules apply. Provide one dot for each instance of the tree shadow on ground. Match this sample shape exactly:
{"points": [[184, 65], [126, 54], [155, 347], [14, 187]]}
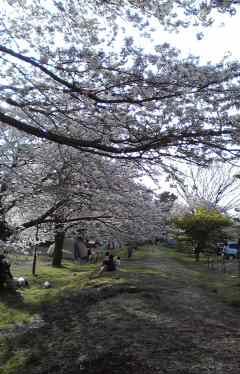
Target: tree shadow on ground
{"points": [[12, 298], [116, 363]]}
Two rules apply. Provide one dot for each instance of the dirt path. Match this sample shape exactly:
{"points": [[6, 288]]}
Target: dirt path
{"points": [[181, 288], [156, 321]]}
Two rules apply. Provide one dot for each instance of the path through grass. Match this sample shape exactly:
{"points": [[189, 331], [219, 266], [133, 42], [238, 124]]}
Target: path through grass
{"points": [[154, 316]]}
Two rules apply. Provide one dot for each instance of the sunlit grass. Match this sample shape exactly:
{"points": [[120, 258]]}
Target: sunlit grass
{"points": [[20, 307]]}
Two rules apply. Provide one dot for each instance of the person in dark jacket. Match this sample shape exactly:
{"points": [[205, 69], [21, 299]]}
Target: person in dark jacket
{"points": [[130, 248], [110, 264]]}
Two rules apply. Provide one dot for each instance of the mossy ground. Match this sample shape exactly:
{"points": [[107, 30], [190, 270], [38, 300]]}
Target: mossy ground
{"points": [[20, 307]]}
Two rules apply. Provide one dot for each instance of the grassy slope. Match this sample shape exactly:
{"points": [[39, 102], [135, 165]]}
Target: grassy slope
{"points": [[69, 280], [21, 306]]}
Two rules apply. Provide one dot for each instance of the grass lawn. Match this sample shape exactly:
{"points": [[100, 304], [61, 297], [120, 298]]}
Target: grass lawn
{"points": [[225, 285], [23, 306], [84, 314], [21, 309]]}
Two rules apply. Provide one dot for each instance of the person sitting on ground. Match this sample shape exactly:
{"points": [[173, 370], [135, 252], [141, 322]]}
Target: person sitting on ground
{"points": [[104, 264], [110, 264], [106, 257]]}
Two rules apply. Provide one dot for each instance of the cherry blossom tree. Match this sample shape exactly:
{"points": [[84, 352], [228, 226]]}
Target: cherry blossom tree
{"points": [[94, 108], [70, 78], [57, 189], [14, 183]]}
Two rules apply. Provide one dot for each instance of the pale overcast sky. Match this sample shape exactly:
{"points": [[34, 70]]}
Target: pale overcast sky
{"points": [[217, 41]]}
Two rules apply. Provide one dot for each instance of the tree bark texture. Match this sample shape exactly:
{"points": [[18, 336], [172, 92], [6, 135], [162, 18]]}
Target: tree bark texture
{"points": [[58, 249]]}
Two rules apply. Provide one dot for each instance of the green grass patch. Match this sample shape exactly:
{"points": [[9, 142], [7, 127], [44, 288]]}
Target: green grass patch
{"points": [[225, 285], [20, 307], [10, 316], [15, 363], [151, 268]]}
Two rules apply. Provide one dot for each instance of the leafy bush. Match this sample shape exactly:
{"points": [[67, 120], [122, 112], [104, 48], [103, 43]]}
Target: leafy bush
{"points": [[203, 228]]}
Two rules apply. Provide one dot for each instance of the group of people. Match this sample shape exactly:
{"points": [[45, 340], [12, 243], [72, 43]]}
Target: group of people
{"points": [[90, 251], [89, 254], [86, 251]]}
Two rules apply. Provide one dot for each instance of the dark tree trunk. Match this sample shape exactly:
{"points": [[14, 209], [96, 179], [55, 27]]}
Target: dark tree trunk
{"points": [[198, 249], [197, 254], [34, 264], [59, 238], [5, 231]]}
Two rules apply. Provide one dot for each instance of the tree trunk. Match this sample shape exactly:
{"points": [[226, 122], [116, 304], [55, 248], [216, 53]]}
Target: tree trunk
{"points": [[59, 239], [34, 264], [5, 231], [197, 255]]}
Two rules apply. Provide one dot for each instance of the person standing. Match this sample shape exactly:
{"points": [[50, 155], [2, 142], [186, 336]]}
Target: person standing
{"points": [[130, 248]]}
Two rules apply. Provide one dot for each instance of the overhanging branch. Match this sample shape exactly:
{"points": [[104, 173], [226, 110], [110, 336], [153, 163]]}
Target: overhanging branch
{"points": [[158, 142], [42, 218]]}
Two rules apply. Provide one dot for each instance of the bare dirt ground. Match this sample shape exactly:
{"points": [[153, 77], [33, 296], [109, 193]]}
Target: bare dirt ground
{"points": [[150, 323]]}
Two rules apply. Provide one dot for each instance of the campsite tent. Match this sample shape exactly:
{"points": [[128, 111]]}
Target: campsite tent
{"points": [[68, 249]]}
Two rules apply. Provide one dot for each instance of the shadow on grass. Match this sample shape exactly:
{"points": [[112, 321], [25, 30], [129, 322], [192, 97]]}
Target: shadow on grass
{"points": [[100, 318], [125, 316], [11, 298], [22, 305]]}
